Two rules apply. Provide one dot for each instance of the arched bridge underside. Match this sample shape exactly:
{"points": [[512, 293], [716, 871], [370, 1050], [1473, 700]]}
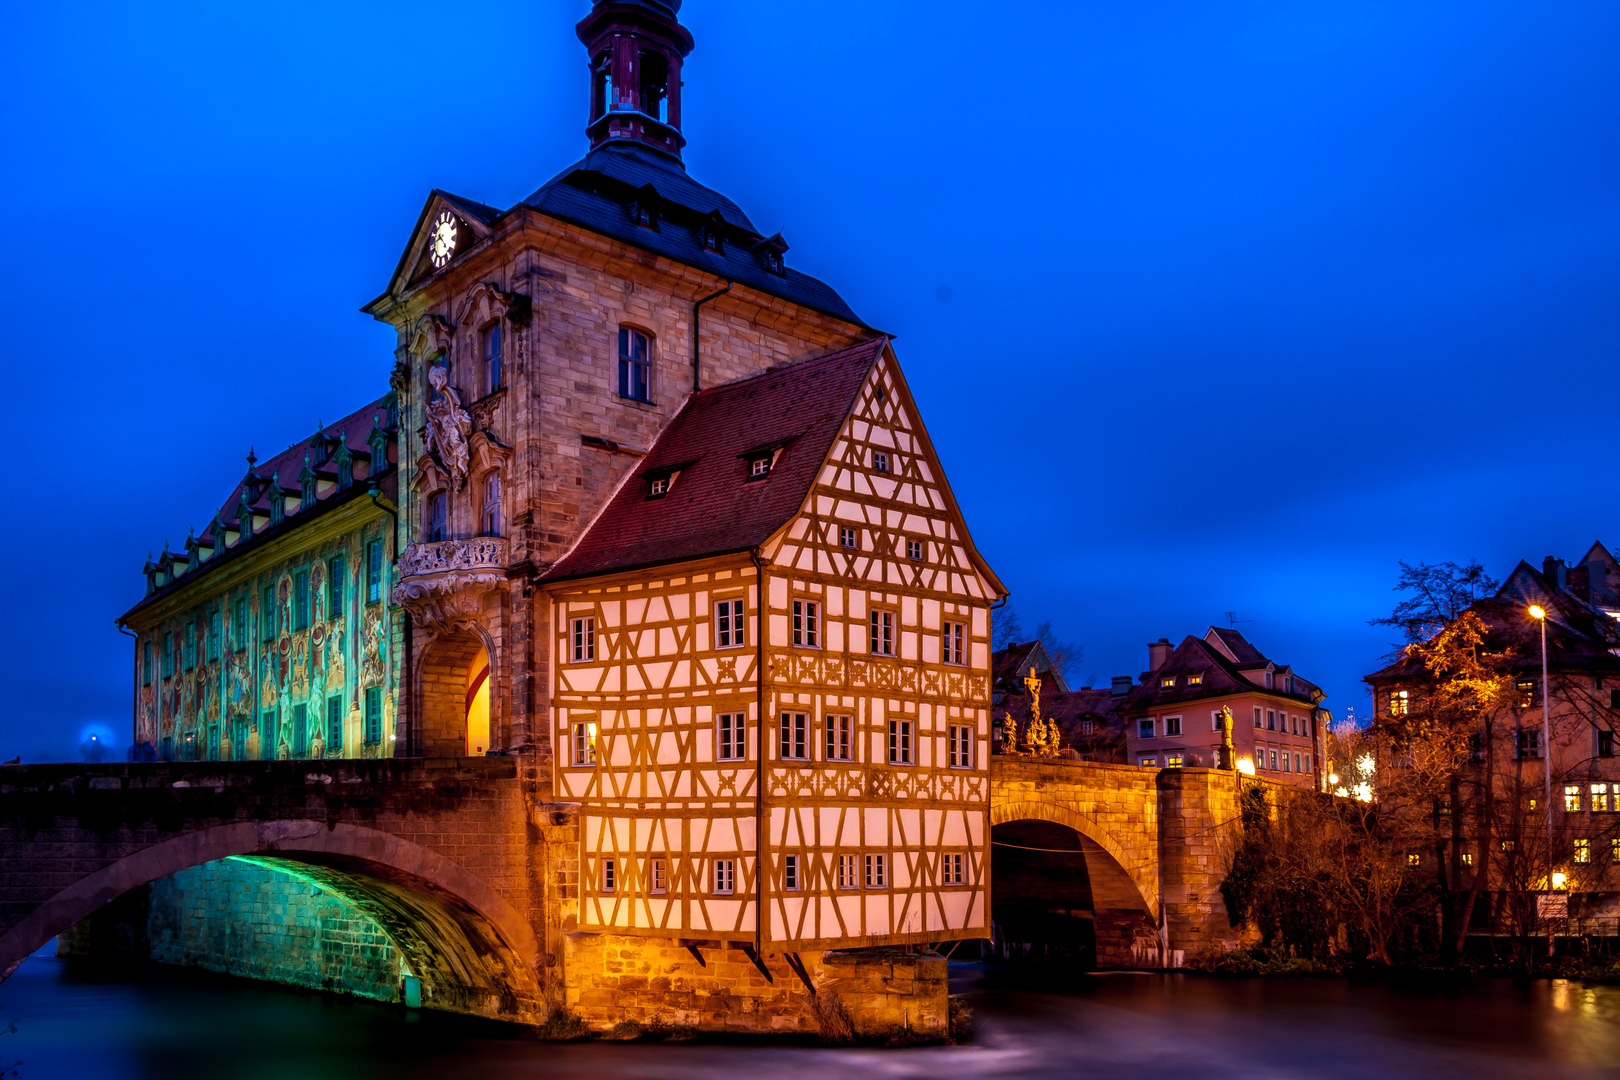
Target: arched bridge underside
{"points": [[437, 854], [1153, 845]]}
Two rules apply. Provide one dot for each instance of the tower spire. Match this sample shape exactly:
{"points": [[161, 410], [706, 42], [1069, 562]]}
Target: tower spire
{"points": [[636, 48]]}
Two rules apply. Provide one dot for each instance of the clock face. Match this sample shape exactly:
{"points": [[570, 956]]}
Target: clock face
{"points": [[443, 238]]}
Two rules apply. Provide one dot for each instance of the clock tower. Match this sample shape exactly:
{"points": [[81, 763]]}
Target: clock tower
{"points": [[636, 48]]}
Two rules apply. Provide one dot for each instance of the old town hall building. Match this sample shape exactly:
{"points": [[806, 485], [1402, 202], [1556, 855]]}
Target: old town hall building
{"points": [[646, 506]]}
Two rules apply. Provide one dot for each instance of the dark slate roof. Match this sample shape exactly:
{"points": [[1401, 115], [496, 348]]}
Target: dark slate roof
{"points": [[711, 508], [1195, 656], [470, 207], [284, 469], [1243, 653], [598, 191], [1009, 665]]}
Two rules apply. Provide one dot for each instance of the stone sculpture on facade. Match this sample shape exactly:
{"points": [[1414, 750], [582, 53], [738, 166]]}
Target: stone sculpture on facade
{"points": [[449, 426]]}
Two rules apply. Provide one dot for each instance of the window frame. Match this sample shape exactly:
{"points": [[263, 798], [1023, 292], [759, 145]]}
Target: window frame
{"points": [[840, 737], [334, 723], [1168, 721], [953, 644], [880, 462], [876, 872], [880, 621], [374, 571], [582, 639], [583, 737], [633, 367], [723, 877], [959, 743], [658, 875], [805, 619], [914, 550], [1146, 728], [791, 882], [849, 538], [300, 599], [373, 716], [902, 741], [730, 628], [848, 866], [731, 736], [335, 583], [795, 733], [490, 517], [609, 880], [436, 527], [492, 358]]}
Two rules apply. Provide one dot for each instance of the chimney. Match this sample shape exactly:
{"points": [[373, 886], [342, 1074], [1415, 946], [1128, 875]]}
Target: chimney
{"points": [[1158, 652], [1122, 685], [1552, 570]]}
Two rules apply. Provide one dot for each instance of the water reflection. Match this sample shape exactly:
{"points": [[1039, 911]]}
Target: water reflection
{"points": [[170, 1024]]}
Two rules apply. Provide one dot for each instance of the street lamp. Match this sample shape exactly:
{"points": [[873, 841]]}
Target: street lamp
{"points": [[1538, 613]]}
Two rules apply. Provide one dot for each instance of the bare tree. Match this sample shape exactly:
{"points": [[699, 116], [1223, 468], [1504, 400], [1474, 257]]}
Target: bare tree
{"points": [[1438, 593]]}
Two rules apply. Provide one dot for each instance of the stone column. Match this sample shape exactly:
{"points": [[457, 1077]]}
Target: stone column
{"points": [[1198, 826]]}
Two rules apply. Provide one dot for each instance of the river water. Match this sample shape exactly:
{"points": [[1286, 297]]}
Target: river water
{"points": [[170, 1024]]}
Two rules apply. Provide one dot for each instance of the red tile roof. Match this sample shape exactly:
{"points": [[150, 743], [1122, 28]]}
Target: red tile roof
{"points": [[712, 508]]}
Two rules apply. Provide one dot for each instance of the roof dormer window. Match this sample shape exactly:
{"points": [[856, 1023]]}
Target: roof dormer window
{"points": [[1195, 680], [709, 233], [644, 209], [1167, 682], [658, 484], [759, 467]]}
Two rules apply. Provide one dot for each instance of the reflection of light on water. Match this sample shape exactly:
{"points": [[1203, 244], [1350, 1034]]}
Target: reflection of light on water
{"points": [[1562, 997]]}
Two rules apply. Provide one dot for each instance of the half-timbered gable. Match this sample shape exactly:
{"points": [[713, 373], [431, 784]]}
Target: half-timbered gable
{"points": [[833, 770]]}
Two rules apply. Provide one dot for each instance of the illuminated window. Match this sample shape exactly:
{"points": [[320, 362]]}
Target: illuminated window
{"points": [[1398, 702], [609, 876], [635, 365], [880, 461], [954, 868], [1600, 796], [806, 624], [1195, 680], [1414, 859], [961, 746], [1172, 725], [1583, 851], [1285, 761], [914, 550], [1572, 798], [492, 505], [795, 736], [1614, 850], [840, 737], [492, 358], [725, 877], [954, 651], [728, 624], [1273, 754], [1527, 693], [583, 640], [1468, 858], [899, 742], [876, 871], [1167, 682], [1510, 845], [848, 537], [731, 733], [1443, 806], [882, 632], [790, 873], [585, 742], [1151, 761], [1144, 728], [1172, 761], [848, 872], [660, 876]]}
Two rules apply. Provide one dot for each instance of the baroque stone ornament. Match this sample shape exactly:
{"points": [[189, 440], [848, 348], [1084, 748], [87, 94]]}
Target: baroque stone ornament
{"points": [[449, 426], [443, 585]]}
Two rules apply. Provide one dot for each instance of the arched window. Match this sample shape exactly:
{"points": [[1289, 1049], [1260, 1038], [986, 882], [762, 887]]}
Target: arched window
{"points": [[439, 360], [437, 525], [635, 365], [492, 504], [492, 357]]}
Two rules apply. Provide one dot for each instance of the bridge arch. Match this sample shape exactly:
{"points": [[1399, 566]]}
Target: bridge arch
{"points": [[470, 947], [1139, 863]]}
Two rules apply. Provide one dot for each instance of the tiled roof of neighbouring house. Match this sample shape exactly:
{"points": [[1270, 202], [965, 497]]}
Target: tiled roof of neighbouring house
{"points": [[712, 508], [1218, 676], [320, 453]]}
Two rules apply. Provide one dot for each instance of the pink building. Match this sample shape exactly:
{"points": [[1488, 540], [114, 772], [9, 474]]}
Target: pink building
{"points": [[1174, 719]]}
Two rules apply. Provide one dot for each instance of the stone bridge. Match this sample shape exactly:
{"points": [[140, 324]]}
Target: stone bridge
{"points": [[472, 874]]}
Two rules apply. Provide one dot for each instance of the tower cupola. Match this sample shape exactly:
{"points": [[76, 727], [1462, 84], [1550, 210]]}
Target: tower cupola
{"points": [[636, 48]]}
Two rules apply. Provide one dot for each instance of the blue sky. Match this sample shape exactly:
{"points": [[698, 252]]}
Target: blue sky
{"points": [[1209, 307]]}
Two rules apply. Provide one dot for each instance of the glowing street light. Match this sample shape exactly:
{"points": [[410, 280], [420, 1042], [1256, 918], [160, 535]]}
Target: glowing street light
{"points": [[1246, 766]]}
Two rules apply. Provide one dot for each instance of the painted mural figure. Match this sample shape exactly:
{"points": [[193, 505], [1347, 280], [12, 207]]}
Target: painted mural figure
{"points": [[449, 426]]}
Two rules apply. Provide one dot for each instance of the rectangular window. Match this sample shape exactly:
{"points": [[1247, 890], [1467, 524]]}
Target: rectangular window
{"points": [[239, 623], [1145, 728], [1614, 850], [1273, 760], [760, 467], [1167, 683], [268, 620], [334, 587], [954, 868], [725, 877], [1285, 761], [585, 742], [1529, 742], [1217, 720], [848, 538], [728, 624], [790, 873], [1583, 851], [334, 724], [1528, 696], [1172, 760], [1149, 760], [267, 735], [146, 664], [1468, 858], [492, 358], [876, 875], [301, 600], [213, 742], [1271, 720], [1087, 726], [899, 742], [373, 714], [880, 461], [492, 505], [438, 518], [300, 731], [840, 737], [954, 649], [806, 624], [1572, 798], [374, 572], [1605, 742], [731, 733], [583, 640], [1172, 725], [660, 876], [847, 872], [635, 365], [961, 746], [882, 633], [216, 630], [1195, 680], [1414, 859], [609, 875], [189, 644], [795, 736], [1257, 716], [1399, 701], [1600, 796], [914, 550]]}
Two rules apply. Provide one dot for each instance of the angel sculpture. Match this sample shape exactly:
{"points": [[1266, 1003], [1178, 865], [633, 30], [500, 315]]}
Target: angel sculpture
{"points": [[449, 426]]}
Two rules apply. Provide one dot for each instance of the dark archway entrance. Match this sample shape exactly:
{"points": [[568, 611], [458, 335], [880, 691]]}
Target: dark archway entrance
{"points": [[1040, 895], [452, 689]]}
